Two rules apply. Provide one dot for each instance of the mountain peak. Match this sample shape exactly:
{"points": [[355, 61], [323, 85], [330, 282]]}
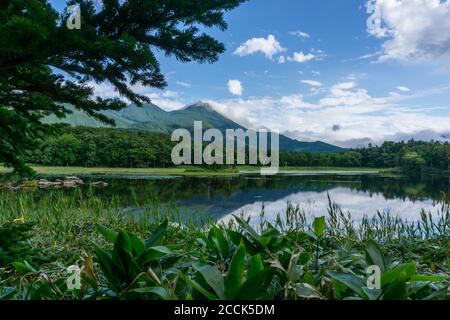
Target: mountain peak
{"points": [[200, 105]]}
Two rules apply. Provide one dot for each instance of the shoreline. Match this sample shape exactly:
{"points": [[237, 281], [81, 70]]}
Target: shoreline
{"points": [[188, 171]]}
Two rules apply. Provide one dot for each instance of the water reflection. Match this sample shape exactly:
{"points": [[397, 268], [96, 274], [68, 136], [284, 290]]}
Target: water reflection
{"points": [[219, 197]]}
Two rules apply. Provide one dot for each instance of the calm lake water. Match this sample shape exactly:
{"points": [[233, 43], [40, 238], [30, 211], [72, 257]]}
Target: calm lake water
{"points": [[219, 197]]}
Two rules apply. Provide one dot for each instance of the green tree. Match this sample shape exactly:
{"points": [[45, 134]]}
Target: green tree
{"points": [[413, 163], [44, 66]]}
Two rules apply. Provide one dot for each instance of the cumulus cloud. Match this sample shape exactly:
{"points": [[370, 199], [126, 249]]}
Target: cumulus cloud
{"points": [[403, 89], [300, 34], [414, 30], [301, 57], [312, 83], [269, 47], [346, 115], [235, 87]]}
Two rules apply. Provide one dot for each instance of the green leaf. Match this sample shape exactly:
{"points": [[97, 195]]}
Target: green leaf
{"points": [[109, 234], [156, 238], [159, 291], [255, 287], [427, 278], [201, 290], [213, 278], [107, 267], [374, 256], [319, 225], [401, 273], [255, 266], [351, 281], [235, 275], [121, 254], [138, 247], [305, 256], [153, 253], [221, 242], [396, 290], [23, 267], [294, 272], [305, 290]]}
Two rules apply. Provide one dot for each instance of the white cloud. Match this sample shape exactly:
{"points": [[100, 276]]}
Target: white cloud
{"points": [[183, 84], [300, 57], [269, 47], [167, 99], [312, 83], [299, 34], [415, 30], [282, 59], [360, 117], [403, 89], [235, 87]]}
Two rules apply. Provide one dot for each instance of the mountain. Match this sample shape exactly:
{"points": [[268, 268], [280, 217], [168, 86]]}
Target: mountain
{"points": [[151, 118]]}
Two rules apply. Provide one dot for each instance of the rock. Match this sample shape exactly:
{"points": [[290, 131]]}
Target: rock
{"points": [[99, 184], [44, 183], [72, 182]]}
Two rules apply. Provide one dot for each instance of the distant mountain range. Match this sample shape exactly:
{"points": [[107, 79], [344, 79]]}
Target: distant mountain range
{"points": [[151, 118]]}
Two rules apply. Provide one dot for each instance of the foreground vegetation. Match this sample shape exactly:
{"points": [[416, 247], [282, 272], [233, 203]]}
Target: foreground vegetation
{"points": [[290, 257]]}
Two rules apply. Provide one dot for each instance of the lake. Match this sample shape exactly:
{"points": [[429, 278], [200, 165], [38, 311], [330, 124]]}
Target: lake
{"points": [[218, 198]]}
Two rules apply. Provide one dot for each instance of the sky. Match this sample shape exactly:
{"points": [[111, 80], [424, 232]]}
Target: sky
{"points": [[343, 72]]}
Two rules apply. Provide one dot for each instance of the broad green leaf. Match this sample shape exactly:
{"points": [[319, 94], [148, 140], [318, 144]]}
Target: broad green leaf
{"points": [[213, 278], [235, 275], [222, 243], [351, 281], [255, 266], [137, 245], [401, 273], [107, 266], [255, 287], [156, 238], [153, 253], [202, 290], [109, 234], [374, 256], [319, 225], [294, 272], [121, 254]]}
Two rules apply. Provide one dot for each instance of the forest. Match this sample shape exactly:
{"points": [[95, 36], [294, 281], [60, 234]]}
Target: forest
{"points": [[103, 147]]}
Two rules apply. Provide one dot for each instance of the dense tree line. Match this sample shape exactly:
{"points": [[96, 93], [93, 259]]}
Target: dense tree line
{"points": [[412, 157], [90, 147], [96, 147]]}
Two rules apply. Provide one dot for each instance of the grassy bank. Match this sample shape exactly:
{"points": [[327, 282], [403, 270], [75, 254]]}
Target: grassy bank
{"points": [[183, 170], [290, 258]]}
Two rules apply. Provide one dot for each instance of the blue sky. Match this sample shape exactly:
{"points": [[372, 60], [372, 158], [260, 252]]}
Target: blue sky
{"points": [[316, 71]]}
